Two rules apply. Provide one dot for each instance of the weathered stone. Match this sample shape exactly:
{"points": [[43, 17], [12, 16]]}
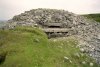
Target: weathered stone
{"points": [[83, 62], [77, 55], [82, 50], [66, 58], [91, 64]]}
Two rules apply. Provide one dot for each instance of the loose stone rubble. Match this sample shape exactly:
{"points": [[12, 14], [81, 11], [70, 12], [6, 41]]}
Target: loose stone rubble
{"points": [[87, 32]]}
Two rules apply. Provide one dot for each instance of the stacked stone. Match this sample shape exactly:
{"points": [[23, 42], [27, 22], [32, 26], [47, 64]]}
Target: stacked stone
{"points": [[41, 16], [87, 31]]}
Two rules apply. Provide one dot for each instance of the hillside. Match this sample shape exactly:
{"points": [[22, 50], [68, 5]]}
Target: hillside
{"points": [[86, 31], [38, 24], [95, 17], [2, 23], [29, 47]]}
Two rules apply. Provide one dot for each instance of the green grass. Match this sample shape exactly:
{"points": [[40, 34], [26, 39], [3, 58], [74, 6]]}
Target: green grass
{"points": [[29, 47], [95, 17]]}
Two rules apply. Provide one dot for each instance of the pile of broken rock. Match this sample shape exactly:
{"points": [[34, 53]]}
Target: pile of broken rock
{"points": [[86, 31]]}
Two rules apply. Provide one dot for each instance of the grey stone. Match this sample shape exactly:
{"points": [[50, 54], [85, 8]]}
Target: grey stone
{"points": [[83, 62], [91, 64]]}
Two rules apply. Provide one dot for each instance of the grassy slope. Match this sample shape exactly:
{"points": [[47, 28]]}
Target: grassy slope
{"points": [[95, 17], [29, 47]]}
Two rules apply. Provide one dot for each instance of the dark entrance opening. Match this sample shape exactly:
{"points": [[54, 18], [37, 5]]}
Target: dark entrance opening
{"points": [[54, 26]]}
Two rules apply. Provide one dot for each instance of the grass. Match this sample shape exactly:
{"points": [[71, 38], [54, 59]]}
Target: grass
{"points": [[29, 47], [95, 17]]}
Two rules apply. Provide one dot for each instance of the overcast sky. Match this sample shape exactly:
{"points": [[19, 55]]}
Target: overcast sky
{"points": [[9, 8]]}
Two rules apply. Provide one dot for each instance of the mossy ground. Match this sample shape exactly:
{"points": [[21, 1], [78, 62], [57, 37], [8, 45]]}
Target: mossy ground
{"points": [[29, 47]]}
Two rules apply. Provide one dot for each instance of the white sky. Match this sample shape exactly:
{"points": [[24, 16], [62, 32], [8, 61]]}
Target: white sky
{"points": [[9, 8]]}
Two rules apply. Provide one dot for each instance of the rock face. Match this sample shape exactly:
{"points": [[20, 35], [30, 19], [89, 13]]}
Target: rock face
{"points": [[86, 31]]}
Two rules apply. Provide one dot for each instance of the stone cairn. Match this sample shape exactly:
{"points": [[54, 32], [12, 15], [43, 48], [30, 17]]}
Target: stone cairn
{"points": [[63, 23]]}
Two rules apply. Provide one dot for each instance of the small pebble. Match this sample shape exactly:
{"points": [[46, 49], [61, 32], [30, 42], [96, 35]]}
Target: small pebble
{"points": [[83, 62], [70, 61], [54, 40], [82, 50], [77, 54], [91, 64], [66, 58]]}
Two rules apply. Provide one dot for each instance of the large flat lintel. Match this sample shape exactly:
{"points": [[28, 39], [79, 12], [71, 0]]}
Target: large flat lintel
{"points": [[55, 30]]}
